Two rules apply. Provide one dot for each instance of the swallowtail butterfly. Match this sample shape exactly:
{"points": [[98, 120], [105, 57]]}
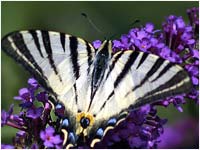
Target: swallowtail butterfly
{"points": [[97, 87]]}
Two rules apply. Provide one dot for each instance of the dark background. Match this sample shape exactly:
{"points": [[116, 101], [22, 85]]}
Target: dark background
{"points": [[110, 17]]}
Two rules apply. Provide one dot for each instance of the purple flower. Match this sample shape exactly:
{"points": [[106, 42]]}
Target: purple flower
{"points": [[33, 84], [96, 44], [26, 97], [149, 27], [21, 134], [6, 146], [143, 44], [6, 115], [42, 97], [50, 140], [180, 23], [125, 42], [34, 112], [34, 146], [177, 34]]}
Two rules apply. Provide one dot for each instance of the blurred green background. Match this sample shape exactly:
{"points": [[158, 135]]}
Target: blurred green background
{"points": [[111, 17]]}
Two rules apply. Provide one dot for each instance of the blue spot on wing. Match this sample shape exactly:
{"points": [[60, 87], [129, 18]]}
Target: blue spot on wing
{"points": [[100, 132], [65, 123], [112, 121]]}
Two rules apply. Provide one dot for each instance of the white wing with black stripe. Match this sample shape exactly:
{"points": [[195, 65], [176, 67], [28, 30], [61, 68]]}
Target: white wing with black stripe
{"points": [[55, 59], [136, 78]]}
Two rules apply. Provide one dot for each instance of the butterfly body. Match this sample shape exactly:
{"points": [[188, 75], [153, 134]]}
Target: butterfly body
{"points": [[97, 88]]}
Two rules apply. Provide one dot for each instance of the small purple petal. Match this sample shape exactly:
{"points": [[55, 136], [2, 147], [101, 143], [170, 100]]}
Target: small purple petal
{"points": [[57, 139], [180, 109], [141, 34], [6, 146], [195, 80], [42, 135], [6, 115], [42, 97], [96, 44], [149, 27], [33, 83], [23, 92], [34, 113], [21, 133], [18, 98], [34, 146], [195, 53], [50, 130], [180, 23], [190, 41], [48, 144]]}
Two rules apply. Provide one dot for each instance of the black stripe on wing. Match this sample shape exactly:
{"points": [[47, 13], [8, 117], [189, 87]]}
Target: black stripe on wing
{"points": [[119, 54], [36, 41], [144, 56], [126, 68], [63, 40], [73, 44], [89, 54], [47, 46], [111, 94], [75, 92], [159, 62], [165, 69]]}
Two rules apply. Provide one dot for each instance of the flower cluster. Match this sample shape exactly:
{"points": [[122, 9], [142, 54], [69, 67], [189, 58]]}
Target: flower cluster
{"points": [[176, 42], [35, 124]]}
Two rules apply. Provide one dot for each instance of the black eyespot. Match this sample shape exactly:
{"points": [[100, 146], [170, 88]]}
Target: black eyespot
{"points": [[85, 122]]}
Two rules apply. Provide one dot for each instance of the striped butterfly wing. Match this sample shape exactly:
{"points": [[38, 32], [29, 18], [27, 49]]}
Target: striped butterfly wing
{"points": [[135, 79], [55, 59]]}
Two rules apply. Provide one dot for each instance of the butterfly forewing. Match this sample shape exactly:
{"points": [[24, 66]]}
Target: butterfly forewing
{"points": [[137, 78], [57, 60]]}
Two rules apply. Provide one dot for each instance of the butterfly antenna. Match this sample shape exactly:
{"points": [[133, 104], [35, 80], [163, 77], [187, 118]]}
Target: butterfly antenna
{"points": [[135, 22], [91, 23]]}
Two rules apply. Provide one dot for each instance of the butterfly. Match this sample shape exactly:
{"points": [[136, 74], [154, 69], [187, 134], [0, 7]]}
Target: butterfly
{"points": [[97, 87]]}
